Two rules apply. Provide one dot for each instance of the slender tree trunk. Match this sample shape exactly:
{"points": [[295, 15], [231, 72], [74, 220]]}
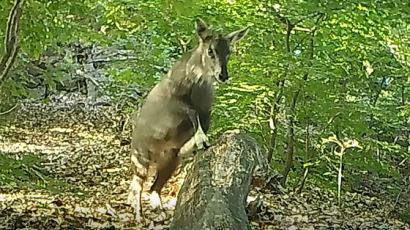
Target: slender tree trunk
{"points": [[292, 111], [290, 137], [274, 121], [275, 107], [11, 40]]}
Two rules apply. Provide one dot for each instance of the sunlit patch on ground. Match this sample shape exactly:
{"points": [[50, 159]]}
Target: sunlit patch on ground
{"points": [[85, 154]]}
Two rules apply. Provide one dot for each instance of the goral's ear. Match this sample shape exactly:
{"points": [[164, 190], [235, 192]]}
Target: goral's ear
{"points": [[202, 30], [237, 35]]}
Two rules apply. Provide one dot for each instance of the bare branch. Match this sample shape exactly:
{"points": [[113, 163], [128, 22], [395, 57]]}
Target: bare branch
{"points": [[130, 58], [302, 29], [127, 58], [8, 111]]}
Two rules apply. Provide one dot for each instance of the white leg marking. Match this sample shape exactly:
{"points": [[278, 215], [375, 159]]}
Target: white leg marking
{"points": [[188, 148], [200, 137], [155, 200], [135, 161], [134, 197]]}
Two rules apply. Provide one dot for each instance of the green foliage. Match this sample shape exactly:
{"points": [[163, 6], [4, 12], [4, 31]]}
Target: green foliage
{"points": [[405, 215], [357, 83], [27, 172]]}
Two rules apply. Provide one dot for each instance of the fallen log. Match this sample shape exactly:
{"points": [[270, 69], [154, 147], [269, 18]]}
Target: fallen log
{"points": [[213, 195]]}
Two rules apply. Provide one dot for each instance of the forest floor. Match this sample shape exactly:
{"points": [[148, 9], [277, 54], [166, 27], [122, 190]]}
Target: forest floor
{"points": [[65, 166]]}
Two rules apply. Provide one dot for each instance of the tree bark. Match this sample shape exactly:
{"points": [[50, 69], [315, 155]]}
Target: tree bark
{"points": [[275, 106], [215, 189], [10, 43]]}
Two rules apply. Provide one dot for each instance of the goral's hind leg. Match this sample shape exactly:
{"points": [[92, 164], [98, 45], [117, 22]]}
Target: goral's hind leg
{"points": [[139, 167], [165, 169]]}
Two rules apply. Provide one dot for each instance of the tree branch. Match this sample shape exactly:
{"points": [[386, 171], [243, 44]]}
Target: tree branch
{"points": [[8, 111]]}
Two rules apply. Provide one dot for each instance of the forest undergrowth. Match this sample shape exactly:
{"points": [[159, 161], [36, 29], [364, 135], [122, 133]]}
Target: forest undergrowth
{"points": [[66, 167]]}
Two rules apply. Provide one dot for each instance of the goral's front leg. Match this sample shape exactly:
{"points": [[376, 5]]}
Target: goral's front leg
{"points": [[198, 141], [201, 140]]}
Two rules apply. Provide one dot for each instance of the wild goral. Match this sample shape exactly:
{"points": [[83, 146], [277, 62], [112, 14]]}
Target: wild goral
{"points": [[176, 113]]}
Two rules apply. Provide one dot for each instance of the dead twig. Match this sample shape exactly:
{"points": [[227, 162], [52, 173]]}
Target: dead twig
{"points": [[8, 111]]}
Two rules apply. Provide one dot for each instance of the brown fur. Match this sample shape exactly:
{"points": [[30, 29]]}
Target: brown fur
{"points": [[169, 117]]}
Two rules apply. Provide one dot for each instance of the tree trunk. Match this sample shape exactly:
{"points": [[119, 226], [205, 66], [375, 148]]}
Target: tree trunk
{"points": [[215, 189], [290, 136], [274, 119], [10, 42]]}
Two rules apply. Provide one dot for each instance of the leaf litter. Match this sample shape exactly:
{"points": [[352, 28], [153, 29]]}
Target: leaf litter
{"points": [[85, 161]]}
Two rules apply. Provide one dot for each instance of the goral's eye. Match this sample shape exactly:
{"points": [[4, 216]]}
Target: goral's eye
{"points": [[211, 53]]}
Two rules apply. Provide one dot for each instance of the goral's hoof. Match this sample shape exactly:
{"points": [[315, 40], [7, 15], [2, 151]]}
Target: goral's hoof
{"points": [[155, 201], [202, 141]]}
